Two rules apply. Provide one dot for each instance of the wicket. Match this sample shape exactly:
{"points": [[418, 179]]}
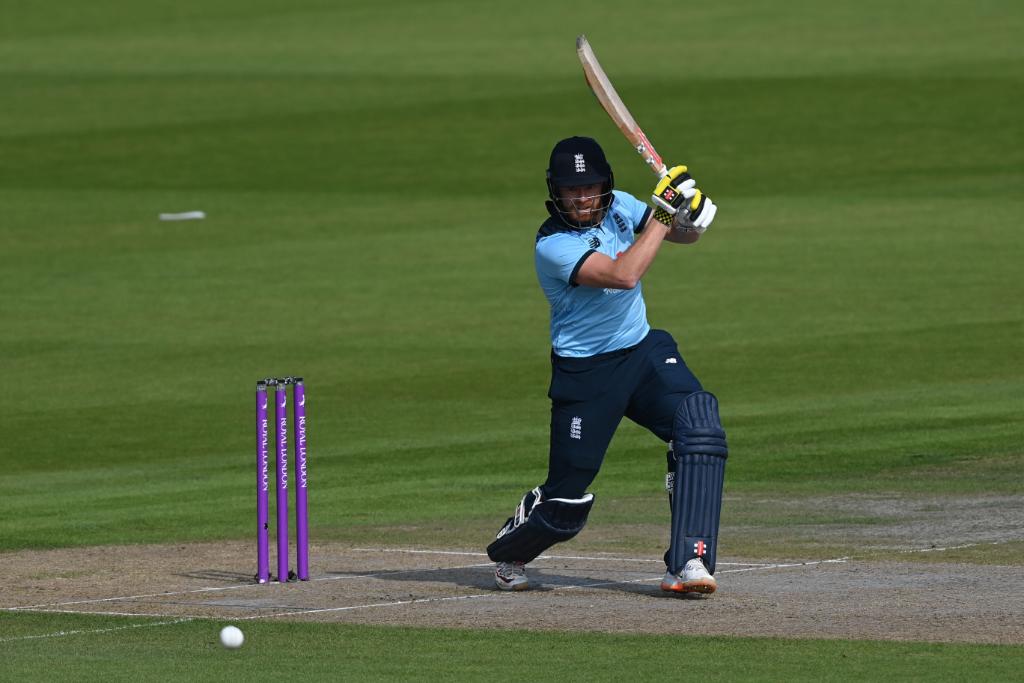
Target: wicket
{"points": [[279, 387]]}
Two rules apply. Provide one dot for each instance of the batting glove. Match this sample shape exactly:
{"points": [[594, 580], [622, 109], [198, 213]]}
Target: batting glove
{"points": [[680, 204]]}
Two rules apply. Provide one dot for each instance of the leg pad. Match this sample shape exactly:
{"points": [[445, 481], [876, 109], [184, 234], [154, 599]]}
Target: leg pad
{"points": [[537, 525], [699, 452]]}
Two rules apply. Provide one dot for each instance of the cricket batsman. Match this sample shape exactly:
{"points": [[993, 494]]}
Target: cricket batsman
{"points": [[606, 362]]}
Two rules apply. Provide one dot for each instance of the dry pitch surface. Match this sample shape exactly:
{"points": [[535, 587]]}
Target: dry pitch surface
{"points": [[902, 598]]}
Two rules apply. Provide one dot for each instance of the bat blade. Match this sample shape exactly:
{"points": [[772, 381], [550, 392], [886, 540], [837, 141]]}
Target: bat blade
{"points": [[612, 104]]}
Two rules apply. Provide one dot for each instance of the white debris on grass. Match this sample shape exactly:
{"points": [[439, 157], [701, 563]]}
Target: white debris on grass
{"points": [[186, 216]]}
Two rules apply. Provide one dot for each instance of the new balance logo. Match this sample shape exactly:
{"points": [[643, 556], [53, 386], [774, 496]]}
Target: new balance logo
{"points": [[594, 242], [673, 361], [576, 428], [581, 165]]}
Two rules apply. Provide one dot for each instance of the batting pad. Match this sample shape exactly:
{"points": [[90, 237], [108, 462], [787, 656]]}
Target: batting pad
{"points": [[550, 522], [699, 450]]}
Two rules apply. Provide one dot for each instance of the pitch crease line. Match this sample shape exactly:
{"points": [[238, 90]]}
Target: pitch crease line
{"points": [[496, 593], [415, 601], [726, 571], [125, 598], [61, 634], [290, 611], [748, 567], [141, 615], [605, 558], [298, 611]]}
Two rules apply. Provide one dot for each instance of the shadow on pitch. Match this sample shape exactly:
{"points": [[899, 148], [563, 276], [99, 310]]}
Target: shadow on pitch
{"points": [[482, 579]]}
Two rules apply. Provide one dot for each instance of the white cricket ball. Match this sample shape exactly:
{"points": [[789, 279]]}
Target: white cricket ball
{"points": [[231, 637]]}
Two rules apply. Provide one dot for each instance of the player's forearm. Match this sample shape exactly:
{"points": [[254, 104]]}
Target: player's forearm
{"points": [[625, 271], [633, 264]]}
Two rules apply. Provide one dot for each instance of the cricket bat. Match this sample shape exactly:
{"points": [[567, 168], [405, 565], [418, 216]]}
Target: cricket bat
{"points": [[612, 104]]}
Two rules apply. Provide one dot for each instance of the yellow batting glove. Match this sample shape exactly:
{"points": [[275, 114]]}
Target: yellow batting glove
{"points": [[680, 204], [672, 191]]}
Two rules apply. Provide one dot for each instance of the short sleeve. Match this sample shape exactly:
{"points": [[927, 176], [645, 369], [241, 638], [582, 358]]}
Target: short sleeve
{"points": [[560, 256]]}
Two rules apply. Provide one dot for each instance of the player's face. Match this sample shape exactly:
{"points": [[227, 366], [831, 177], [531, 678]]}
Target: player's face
{"points": [[582, 203]]}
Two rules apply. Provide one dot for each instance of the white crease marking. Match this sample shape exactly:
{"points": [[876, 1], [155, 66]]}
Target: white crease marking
{"points": [[61, 634], [606, 558], [747, 567], [414, 601], [126, 598]]}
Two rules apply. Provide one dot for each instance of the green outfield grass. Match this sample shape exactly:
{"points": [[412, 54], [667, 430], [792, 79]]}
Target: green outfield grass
{"points": [[138, 651], [373, 178]]}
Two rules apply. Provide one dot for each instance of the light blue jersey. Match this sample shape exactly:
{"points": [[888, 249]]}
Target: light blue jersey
{"points": [[586, 321]]}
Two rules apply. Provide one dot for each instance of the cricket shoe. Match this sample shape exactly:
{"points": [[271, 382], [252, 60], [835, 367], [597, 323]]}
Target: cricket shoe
{"points": [[511, 576], [693, 579]]}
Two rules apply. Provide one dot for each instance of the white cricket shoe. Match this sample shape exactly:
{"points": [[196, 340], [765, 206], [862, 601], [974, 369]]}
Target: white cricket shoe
{"points": [[511, 576], [693, 579]]}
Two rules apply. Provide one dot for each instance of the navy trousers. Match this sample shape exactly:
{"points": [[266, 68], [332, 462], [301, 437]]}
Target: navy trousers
{"points": [[590, 396]]}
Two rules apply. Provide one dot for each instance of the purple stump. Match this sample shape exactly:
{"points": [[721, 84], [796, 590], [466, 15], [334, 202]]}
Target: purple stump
{"points": [[281, 424], [262, 486], [301, 505]]}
